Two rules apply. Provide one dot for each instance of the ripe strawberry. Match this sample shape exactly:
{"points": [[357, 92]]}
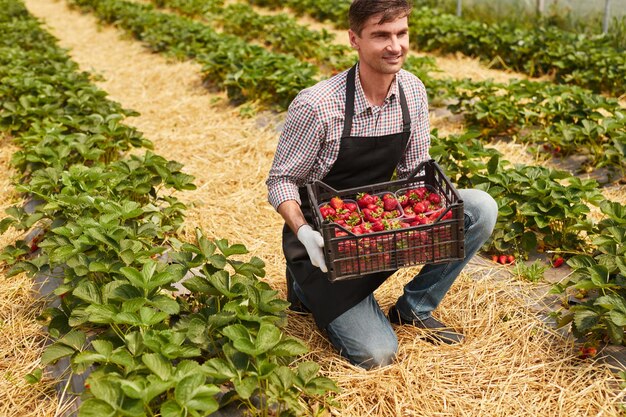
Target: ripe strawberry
{"points": [[502, 259], [404, 200], [377, 226], [434, 198], [419, 207], [390, 203], [327, 212], [336, 203], [409, 213], [364, 199], [510, 259], [350, 206], [494, 258], [558, 261]]}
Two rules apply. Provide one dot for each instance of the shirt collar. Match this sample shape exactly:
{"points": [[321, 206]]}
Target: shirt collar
{"points": [[360, 101]]}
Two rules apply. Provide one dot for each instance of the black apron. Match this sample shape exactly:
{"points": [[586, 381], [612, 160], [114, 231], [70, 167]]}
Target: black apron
{"points": [[361, 161]]}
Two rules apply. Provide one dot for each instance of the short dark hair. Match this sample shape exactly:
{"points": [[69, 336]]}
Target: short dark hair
{"points": [[389, 10]]}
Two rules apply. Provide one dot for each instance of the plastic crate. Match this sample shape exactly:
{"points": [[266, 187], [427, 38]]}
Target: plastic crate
{"points": [[351, 256]]}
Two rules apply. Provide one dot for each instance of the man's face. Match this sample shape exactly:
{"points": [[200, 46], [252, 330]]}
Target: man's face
{"points": [[382, 48]]}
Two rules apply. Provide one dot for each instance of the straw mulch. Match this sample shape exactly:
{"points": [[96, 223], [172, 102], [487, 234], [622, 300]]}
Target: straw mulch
{"points": [[22, 340], [511, 364]]}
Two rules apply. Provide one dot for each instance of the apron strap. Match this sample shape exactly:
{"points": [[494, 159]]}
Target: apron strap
{"points": [[349, 113]]}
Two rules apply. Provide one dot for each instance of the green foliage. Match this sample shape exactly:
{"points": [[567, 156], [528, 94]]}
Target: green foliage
{"points": [[601, 271], [108, 229], [532, 272]]}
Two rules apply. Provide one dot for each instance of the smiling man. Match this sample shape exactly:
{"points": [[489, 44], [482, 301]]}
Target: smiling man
{"points": [[351, 130]]}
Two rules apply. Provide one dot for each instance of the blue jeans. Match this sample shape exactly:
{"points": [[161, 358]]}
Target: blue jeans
{"points": [[364, 335]]}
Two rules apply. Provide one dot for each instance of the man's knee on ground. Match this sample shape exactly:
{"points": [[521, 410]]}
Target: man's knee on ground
{"points": [[376, 356]]}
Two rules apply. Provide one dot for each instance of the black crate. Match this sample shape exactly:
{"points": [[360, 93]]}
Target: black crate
{"points": [[352, 256]]}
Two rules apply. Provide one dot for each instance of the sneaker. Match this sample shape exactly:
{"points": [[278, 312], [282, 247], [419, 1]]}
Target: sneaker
{"points": [[439, 332]]}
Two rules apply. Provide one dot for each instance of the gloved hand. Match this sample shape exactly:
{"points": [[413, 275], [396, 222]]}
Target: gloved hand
{"points": [[313, 242]]}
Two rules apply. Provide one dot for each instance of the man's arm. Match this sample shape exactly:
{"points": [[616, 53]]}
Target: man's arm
{"points": [[290, 210]]}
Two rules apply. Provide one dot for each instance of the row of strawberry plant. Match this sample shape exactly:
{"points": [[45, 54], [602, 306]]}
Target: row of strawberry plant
{"points": [[546, 210], [586, 61], [540, 207], [280, 33], [246, 71], [560, 120], [106, 227]]}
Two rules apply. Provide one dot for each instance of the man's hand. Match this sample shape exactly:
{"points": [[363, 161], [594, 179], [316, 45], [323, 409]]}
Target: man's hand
{"points": [[313, 242]]}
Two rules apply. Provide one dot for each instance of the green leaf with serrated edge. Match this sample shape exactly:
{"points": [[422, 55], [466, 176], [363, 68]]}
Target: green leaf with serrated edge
{"points": [[227, 251], [134, 276], [617, 317], [55, 352], [615, 332], [121, 290], [133, 305], [289, 347], [165, 304], [284, 377], [95, 408], [106, 390], [580, 261], [267, 337], [187, 386], [236, 332], [103, 314], [88, 291], [131, 319], [246, 387], [198, 284], [74, 339], [134, 343], [221, 281], [89, 358], [599, 276], [170, 408], [611, 301], [133, 389], [219, 368], [585, 320], [158, 365], [307, 371], [206, 246], [150, 316]]}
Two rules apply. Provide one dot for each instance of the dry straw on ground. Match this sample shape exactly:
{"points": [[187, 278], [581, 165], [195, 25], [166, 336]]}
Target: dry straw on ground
{"points": [[511, 364]]}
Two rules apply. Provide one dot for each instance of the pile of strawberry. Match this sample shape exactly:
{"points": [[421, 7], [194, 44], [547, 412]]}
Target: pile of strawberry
{"points": [[367, 214], [370, 213], [379, 212]]}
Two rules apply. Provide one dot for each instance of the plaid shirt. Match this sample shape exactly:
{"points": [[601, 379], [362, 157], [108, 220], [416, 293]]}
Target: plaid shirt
{"points": [[309, 143]]}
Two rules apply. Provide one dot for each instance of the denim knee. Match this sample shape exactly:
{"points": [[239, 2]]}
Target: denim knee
{"points": [[482, 210], [380, 354], [367, 349]]}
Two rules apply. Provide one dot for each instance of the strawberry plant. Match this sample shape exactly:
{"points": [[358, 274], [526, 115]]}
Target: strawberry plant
{"points": [[104, 228], [600, 271]]}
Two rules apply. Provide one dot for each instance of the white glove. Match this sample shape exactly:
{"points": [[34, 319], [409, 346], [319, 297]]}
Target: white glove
{"points": [[313, 242]]}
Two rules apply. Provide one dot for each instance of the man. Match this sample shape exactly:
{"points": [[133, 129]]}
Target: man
{"points": [[354, 129]]}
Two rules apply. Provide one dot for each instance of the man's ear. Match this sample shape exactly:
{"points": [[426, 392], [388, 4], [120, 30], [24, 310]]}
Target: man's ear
{"points": [[353, 39]]}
